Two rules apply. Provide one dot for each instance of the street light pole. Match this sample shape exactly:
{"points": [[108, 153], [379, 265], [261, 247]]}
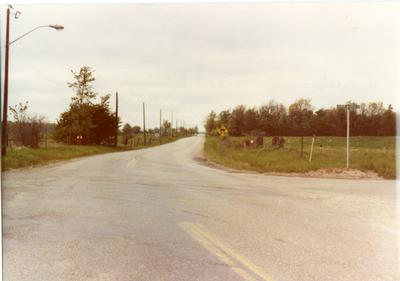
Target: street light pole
{"points": [[54, 26], [4, 135]]}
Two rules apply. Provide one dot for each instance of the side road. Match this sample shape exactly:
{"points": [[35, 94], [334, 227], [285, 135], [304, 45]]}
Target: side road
{"points": [[28, 157], [158, 214]]}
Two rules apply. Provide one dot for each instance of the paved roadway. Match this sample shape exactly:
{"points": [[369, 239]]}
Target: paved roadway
{"points": [[158, 214]]}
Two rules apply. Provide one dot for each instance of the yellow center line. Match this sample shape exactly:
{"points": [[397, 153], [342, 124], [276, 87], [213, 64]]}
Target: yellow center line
{"points": [[222, 245], [212, 249], [131, 163], [197, 230]]}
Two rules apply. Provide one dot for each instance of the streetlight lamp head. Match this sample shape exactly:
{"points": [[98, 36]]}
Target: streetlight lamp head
{"points": [[56, 26]]}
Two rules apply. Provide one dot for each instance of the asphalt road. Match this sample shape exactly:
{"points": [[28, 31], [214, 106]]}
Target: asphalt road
{"points": [[158, 214]]}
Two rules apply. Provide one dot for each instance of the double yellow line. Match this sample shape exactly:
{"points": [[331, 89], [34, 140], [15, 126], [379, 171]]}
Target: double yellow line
{"points": [[248, 271], [132, 163]]}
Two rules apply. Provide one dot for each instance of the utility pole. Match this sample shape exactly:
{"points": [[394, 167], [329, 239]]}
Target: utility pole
{"points": [[160, 127], [47, 125], [4, 139], [348, 137], [116, 119], [172, 121], [144, 125], [0, 108], [176, 126]]}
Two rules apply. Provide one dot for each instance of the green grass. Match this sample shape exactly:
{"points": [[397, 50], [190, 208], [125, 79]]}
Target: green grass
{"points": [[366, 153], [28, 157]]}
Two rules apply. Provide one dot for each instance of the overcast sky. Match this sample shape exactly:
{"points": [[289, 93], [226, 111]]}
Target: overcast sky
{"points": [[192, 58]]}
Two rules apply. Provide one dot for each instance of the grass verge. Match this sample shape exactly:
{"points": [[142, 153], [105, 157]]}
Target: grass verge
{"points": [[366, 153], [28, 157]]}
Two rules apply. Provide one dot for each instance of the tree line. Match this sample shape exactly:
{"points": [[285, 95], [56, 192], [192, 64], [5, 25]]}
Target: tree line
{"points": [[93, 120], [88, 119], [130, 131], [300, 119]]}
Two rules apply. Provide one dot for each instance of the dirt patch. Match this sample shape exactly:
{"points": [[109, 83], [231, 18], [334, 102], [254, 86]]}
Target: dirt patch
{"points": [[204, 161], [333, 173]]}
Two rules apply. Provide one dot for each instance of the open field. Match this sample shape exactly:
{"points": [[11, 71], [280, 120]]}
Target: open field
{"points": [[366, 153], [29, 157]]}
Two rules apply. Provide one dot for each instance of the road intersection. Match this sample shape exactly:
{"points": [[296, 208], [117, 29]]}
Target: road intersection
{"points": [[158, 214]]}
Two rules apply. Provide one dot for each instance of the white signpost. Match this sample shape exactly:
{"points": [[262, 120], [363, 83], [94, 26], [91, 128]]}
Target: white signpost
{"points": [[347, 106]]}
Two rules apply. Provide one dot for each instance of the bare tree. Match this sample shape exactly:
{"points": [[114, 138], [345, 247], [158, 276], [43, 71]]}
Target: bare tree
{"points": [[300, 113], [28, 129]]}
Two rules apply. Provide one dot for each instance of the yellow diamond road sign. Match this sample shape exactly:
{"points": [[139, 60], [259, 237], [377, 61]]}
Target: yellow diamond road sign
{"points": [[223, 131]]}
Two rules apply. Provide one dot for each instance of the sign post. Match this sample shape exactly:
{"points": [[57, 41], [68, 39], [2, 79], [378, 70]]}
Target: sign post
{"points": [[348, 106], [312, 148]]}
